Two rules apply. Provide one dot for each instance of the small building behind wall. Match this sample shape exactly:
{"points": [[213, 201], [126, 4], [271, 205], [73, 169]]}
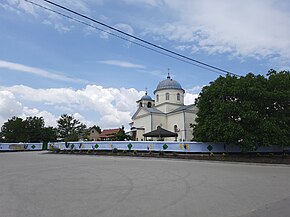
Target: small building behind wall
{"points": [[94, 134], [109, 134], [166, 111]]}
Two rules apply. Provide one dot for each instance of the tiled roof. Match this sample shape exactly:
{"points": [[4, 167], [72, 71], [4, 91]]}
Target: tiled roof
{"points": [[109, 132]]}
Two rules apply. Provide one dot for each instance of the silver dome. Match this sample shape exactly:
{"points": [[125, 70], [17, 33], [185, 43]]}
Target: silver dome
{"points": [[168, 84], [146, 97]]}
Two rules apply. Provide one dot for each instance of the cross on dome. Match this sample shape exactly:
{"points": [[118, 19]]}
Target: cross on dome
{"points": [[168, 75]]}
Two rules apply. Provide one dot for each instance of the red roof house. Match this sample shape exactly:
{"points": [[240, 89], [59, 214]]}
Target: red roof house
{"points": [[108, 134]]}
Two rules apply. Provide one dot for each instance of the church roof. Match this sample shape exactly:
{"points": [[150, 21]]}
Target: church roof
{"points": [[149, 110], [168, 83], [182, 108], [160, 132], [153, 110]]}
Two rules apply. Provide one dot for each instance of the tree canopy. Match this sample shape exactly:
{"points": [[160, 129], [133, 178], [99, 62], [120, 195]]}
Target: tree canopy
{"points": [[29, 130], [249, 111], [71, 129], [121, 135]]}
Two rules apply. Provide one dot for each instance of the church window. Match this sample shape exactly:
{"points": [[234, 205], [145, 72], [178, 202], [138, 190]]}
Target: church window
{"points": [[178, 97], [175, 128], [157, 98], [149, 105], [140, 104], [167, 96]]}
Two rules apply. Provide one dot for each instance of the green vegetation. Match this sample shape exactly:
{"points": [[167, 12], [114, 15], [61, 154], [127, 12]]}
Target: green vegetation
{"points": [[71, 129], [250, 111], [32, 129], [29, 130], [121, 135]]}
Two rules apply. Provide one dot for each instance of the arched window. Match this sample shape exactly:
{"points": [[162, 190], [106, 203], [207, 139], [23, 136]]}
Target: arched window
{"points": [[175, 128], [178, 97], [167, 96], [140, 104], [149, 104], [157, 98]]}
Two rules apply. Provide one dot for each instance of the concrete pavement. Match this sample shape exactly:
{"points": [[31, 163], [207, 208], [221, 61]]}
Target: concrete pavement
{"points": [[35, 184]]}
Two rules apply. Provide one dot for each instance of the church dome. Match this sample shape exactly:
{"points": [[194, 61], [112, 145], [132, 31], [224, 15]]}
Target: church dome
{"points": [[146, 97], [168, 84]]}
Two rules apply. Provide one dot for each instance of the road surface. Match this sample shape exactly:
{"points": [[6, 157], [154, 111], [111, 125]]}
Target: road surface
{"points": [[36, 184]]}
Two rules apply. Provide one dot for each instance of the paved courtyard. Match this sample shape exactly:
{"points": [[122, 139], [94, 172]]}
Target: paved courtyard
{"points": [[36, 184]]}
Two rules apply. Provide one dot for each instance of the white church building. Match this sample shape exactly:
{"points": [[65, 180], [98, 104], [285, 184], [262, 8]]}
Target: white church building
{"points": [[166, 111]]}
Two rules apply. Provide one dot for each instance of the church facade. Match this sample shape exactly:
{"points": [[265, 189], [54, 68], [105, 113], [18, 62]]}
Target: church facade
{"points": [[166, 111]]}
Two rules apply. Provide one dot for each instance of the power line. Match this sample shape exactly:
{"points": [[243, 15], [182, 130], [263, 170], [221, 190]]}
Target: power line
{"points": [[147, 44]]}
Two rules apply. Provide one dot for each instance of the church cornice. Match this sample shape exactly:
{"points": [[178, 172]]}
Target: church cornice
{"points": [[168, 103]]}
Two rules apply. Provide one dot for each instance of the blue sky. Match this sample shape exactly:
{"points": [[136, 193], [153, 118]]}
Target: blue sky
{"points": [[50, 65]]}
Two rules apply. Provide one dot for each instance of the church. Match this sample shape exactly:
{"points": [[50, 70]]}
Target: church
{"points": [[167, 114]]}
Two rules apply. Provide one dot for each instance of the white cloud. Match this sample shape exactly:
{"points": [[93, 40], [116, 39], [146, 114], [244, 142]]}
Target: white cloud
{"points": [[189, 98], [38, 72], [191, 94], [123, 64], [49, 118], [107, 107], [258, 29], [194, 89], [11, 106]]}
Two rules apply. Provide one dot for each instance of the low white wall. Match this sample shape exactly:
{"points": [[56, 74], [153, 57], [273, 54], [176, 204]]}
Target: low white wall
{"points": [[192, 147], [20, 146]]}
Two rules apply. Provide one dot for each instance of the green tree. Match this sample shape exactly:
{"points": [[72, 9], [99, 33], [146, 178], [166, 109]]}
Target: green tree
{"points": [[13, 130], [33, 128], [249, 111], [71, 129], [49, 134], [121, 135], [29, 130]]}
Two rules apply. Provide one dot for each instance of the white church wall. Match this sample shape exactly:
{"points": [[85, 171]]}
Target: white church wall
{"points": [[158, 120], [189, 119], [142, 122], [176, 119], [167, 107], [172, 96]]}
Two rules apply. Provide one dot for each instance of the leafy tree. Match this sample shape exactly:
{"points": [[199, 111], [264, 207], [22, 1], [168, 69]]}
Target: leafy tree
{"points": [[49, 134], [14, 130], [71, 129], [83, 132], [33, 128], [121, 135], [249, 111], [29, 130]]}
